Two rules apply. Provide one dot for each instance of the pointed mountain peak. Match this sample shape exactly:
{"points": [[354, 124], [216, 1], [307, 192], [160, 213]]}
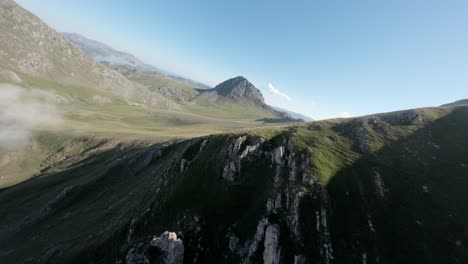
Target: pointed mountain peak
{"points": [[239, 88]]}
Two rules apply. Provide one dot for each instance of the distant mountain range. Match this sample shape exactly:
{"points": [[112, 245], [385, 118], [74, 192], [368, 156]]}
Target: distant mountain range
{"points": [[104, 53], [237, 89], [117, 59], [294, 114]]}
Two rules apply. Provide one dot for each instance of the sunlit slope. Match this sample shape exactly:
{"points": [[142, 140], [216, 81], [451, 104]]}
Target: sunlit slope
{"points": [[31, 47]]}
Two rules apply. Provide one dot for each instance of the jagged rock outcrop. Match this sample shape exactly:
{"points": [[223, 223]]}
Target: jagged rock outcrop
{"points": [[379, 184], [272, 250], [361, 134], [257, 239], [235, 156], [291, 175], [171, 246], [407, 117]]}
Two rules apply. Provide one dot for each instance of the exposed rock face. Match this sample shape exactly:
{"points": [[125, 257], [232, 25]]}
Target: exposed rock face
{"points": [[361, 134], [272, 251], [407, 117], [235, 156], [171, 246], [289, 179], [239, 88], [278, 155], [184, 164], [258, 238], [233, 164], [326, 250], [379, 184]]}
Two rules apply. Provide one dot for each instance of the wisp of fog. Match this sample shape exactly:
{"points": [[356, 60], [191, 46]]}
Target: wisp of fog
{"points": [[23, 110]]}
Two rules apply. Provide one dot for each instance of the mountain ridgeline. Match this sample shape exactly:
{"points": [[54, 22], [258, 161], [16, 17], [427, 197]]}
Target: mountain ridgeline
{"points": [[139, 167], [459, 102], [379, 189], [105, 54]]}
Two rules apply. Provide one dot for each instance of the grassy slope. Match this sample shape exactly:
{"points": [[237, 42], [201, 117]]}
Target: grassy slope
{"points": [[201, 104], [125, 182], [161, 83], [84, 117], [82, 112], [43, 150], [116, 188], [420, 217], [205, 105], [191, 101]]}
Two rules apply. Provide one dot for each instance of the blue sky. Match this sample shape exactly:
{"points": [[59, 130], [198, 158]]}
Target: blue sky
{"points": [[320, 58]]}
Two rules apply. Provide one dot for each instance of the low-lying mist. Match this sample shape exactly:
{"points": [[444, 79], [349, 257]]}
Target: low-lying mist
{"points": [[23, 110]]}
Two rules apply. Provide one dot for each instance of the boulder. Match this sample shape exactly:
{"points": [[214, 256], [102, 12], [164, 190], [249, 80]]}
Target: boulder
{"points": [[171, 246]]}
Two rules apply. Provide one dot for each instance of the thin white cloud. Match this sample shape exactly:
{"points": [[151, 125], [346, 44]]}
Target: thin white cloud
{"points": [[345, 115], [273, 90], [23, 110]]}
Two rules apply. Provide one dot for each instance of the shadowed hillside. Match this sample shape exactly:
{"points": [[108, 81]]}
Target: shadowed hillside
{"points": [[379, 189]]}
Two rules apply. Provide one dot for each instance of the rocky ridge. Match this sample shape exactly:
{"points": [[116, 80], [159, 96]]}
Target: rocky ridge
{"points": [[31, 47]]}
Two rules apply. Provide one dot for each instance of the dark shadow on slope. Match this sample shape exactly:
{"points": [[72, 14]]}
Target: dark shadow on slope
{"points": [[98, 209], [406, 203], [73, 209]]}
